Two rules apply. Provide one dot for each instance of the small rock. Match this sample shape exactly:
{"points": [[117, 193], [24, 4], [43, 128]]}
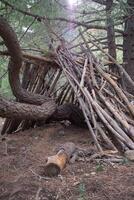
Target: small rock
{"points": [[129, 154], [23, 148], [76, 183], [93, 173], [61, 132], [87, 174]]}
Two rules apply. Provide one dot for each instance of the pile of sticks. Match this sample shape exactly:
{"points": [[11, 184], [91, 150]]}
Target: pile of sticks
{"points": [[108, 110], [40, 76], [82, 79]]}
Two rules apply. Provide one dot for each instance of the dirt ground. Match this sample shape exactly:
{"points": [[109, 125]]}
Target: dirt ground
{"points": [[23, 154]]}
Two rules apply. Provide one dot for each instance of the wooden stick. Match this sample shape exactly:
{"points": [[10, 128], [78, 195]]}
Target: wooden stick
{"points": [[86, 118], [117, 89], [122, 70]]}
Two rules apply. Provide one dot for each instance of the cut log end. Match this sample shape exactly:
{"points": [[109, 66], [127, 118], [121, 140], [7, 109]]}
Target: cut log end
{"points": [[52, 170], [55, 164]]}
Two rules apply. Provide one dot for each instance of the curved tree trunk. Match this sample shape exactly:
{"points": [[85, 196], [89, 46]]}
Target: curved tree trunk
{"points": [[25, 111], [14, 109], [11, 42]]}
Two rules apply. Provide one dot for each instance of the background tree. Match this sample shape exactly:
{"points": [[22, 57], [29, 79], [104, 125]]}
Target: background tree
{"points": [[128, 43]]}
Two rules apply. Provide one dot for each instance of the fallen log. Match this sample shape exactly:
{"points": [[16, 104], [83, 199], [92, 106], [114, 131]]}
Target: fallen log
{"points": [[55, 164], [16, 110], [69, 153]]}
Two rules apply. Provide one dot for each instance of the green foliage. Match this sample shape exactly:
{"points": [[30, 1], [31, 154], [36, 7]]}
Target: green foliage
{"points": [[34, 35], [125, 161], [99, 167], [82, 192], [31, 33], [5, 89]]}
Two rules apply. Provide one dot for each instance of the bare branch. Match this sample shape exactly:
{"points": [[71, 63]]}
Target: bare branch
{"points": [[40, 18]]}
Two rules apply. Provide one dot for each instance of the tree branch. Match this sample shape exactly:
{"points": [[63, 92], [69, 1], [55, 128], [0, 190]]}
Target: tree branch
{"points": [[40, 18], [102, 2]]}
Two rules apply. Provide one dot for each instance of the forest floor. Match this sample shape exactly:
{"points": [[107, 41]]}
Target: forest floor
{"points": [[22, 154]]}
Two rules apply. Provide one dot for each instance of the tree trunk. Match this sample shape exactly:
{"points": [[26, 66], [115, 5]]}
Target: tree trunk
{"points": [[14, 109], [26, 111], [128, 45], [69, 112], [111, 34], [15, 64]]}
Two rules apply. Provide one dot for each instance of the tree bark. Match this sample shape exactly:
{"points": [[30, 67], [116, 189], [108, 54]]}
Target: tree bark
{"points": [[128, 45], [26, 111], [58, 162], [69, 112], [14, 109], [111, 34]]}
